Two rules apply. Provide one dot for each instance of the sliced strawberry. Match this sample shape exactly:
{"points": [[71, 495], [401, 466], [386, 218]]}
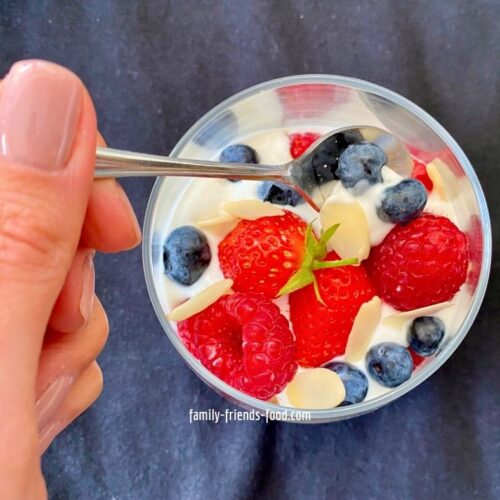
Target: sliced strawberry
{"points": [[322, 329]]}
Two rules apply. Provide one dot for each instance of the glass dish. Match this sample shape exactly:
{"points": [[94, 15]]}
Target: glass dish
{"points": [[333, 101]]}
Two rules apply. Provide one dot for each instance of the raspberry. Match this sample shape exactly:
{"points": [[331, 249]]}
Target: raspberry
{"points": [[419, 264], [245, 341], [420, 173], [261, 255], [300, 142], [322, 330]]}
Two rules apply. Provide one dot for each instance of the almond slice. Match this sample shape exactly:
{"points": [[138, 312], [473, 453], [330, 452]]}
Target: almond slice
{"points": [[364, 325], [251, 209], [352, 238], [399, 319], [442, 178], [201, 301], [316, 389], [219, 220]]}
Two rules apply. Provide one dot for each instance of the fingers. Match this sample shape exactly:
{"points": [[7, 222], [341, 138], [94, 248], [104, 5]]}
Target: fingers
{"points": [[47, 155], [65, 356], [75, 304], [85, 391], [110, 223]]}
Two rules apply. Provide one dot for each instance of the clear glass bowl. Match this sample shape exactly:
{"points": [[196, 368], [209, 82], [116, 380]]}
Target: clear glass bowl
{"points": [[323, 100]]}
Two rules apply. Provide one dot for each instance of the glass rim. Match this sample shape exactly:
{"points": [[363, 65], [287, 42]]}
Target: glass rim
{"points": [[343, 412]]}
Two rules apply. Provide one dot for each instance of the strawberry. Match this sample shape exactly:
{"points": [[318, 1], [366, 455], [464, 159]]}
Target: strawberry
{"points": [[420, 173], [419, 264], [417, 360], [245, 341], [322, 327], [261, 255], [300, 142]]}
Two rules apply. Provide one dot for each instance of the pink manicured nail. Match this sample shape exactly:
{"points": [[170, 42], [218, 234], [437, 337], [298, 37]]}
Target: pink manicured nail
{"points": [[40, 106], [88, 287], [51, 399]]}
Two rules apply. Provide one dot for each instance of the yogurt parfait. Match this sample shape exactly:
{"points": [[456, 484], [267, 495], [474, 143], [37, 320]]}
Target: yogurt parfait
{"points": [[316, 310]]}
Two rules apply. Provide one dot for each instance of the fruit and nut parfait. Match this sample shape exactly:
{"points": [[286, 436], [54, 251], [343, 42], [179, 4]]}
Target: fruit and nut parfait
{"points": [[316, 310]]}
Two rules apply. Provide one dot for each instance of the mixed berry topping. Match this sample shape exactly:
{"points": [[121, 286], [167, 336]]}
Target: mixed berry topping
{"points": [[293, 294]]}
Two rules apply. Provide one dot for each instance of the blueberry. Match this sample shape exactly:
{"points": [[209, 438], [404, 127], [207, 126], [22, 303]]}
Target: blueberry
{"points": [[403, 202], [238, 153], [279, 193], [361, 162], [425, 334], [186, 255], [321, 167], [324, 162], [355, 382], [389, 363]]}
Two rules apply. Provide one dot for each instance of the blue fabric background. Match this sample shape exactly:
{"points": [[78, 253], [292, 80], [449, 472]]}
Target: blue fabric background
{"points": [[153, 68]]}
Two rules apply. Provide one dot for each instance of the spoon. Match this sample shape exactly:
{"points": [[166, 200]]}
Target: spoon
{"points": [[306, 174]]}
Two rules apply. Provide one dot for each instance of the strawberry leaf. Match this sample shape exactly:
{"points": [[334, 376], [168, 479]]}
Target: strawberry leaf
{"points": [[315, 252], [316, 291], [328, 264], [303, 277]]}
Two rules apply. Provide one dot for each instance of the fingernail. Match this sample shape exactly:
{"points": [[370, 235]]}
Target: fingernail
{"points": [[88, 287], [135, 228], [47, 435], [51, 399], [40, 106]]}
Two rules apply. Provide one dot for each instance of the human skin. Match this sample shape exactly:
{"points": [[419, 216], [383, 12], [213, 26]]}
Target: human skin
{"points": [[53, 217]]}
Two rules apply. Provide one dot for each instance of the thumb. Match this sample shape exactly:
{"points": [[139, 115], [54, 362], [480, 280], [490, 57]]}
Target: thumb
{"points": [[47, 151]]}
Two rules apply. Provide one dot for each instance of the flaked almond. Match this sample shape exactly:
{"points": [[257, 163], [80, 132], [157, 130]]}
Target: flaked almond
{"points": [[352, 238], [364, 325], [201, 301], [442, 178], [215, 222], [251, 209], [398, 320], [316, 389]]}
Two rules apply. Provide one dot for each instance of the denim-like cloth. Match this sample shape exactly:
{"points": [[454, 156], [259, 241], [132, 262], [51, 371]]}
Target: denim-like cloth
{"points": [[153, 68]]}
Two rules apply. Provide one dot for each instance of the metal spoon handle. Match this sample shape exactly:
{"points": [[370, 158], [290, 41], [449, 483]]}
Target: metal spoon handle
{"points": [[117, 163]]}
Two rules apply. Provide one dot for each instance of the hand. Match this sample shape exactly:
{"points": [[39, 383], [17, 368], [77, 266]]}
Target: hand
{"points": [[53, 216]]}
